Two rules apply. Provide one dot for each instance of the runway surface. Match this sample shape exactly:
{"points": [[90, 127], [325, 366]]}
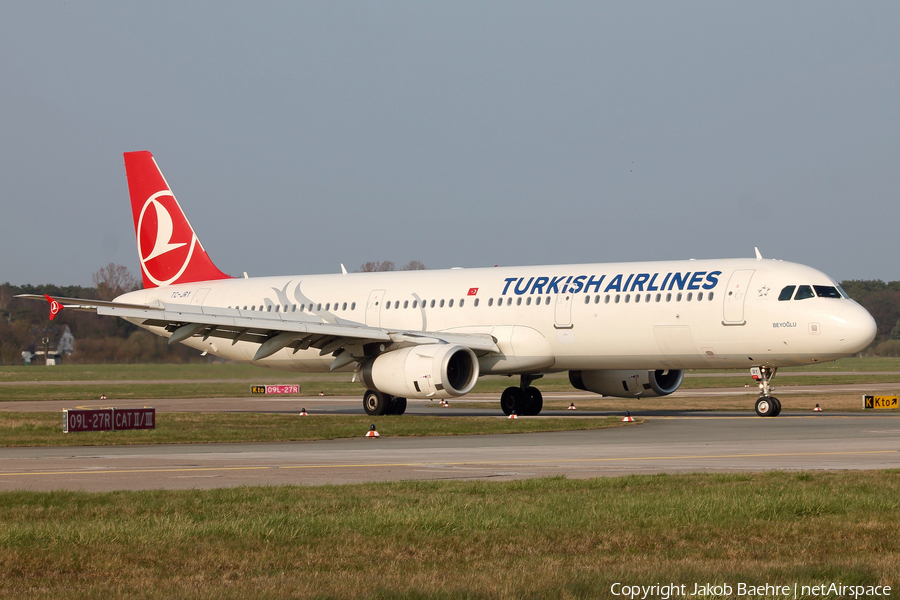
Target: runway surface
{"points": [[664, 443]]}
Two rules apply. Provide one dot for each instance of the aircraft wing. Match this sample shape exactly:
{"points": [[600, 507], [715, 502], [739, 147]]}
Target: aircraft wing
{"points": [[86, 304], [275, 331], [272, 331]]}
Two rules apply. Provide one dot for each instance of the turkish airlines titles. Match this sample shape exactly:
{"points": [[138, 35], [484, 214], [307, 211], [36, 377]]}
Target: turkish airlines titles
{"points": [[635, 282]]}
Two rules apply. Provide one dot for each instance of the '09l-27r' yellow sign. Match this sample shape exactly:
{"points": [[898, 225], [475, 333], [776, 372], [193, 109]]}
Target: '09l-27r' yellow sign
{"points": [[880, 402]]}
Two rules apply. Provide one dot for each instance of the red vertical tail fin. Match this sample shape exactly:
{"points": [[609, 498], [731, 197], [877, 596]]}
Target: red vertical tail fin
{"points": [[168, 248]]}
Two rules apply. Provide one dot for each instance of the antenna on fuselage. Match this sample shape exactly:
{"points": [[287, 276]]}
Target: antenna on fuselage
{"points": [[758, 255], [343, 269]]}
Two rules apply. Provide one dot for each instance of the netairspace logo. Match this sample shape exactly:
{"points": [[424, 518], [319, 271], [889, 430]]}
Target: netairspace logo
{"points": [[665, 591]]}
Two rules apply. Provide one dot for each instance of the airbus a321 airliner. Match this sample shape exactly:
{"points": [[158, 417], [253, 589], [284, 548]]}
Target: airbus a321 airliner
{"points": [[620, 329]]}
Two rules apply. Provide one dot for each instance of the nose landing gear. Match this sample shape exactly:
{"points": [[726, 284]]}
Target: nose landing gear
{"points": [[767, 405]]}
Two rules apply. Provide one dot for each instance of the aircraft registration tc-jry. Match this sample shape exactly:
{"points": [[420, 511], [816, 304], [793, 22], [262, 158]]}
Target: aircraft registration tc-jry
{"points": [[627, 330]]}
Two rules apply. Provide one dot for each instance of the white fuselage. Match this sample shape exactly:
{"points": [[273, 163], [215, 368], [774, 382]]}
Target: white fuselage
{"points": [[651, 315]]}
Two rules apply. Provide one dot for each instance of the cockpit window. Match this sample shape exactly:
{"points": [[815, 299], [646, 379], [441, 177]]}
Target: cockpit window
{"points": [[826, 291], [787, 292], [843, 293], [804, 292]]}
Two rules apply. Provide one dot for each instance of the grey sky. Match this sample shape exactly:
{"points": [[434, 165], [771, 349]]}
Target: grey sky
{"points": [[299, 136]]}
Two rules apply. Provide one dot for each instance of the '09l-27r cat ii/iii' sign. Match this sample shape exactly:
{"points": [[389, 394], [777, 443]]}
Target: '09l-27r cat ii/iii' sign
{"points": [[108, 419]]}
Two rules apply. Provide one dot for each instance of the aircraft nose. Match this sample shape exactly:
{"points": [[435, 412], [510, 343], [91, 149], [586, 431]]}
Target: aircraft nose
{"points": [[856, 328]]}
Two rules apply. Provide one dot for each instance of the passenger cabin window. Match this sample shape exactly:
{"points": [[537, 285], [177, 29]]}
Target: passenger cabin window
{"points": [[490, 301], [450, 305], [804, 292], [353, 306], [462, 302], [476, 301], [826, 291]]}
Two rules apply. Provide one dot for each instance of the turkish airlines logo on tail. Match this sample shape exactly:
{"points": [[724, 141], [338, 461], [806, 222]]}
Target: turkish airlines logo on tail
{"points": [[55, 306], [165, 239]]}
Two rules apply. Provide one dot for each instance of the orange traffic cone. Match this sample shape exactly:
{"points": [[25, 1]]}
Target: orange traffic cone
{"points": [[372, 433], [572, 406], [302, 412], [321, 393], [513, 415], [817, 408], [627, 418], [444, 403], [103, 396]]}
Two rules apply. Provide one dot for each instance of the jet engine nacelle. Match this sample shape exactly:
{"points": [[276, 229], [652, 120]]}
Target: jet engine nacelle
{"points": [[426, 371], [627, 384]]}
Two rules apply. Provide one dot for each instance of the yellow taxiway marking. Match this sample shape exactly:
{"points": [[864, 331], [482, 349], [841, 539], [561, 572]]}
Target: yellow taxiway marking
{"points": [[114, 471]]}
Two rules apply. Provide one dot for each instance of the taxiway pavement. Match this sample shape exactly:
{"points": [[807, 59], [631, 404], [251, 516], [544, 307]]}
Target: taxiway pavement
{"points": [[663, 443]]}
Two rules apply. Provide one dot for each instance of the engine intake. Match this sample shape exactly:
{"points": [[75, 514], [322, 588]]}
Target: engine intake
{"points": [[426, 371], [627, 384]]}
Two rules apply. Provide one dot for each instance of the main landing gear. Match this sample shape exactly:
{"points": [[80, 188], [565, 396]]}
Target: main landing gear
{"points": [[767, 405], [524, 400], [378, 403]]}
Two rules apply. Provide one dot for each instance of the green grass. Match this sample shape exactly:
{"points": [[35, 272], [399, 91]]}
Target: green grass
{"points": [[147, 372], [531, 539], [228, 380], [45, 428]]}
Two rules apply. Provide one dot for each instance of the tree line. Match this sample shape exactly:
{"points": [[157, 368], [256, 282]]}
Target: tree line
{"points": [[24, 323]]}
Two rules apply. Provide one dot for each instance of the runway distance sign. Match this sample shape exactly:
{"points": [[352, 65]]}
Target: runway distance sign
{"points": [[275, 389], [108, 419], [887, 402]]}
